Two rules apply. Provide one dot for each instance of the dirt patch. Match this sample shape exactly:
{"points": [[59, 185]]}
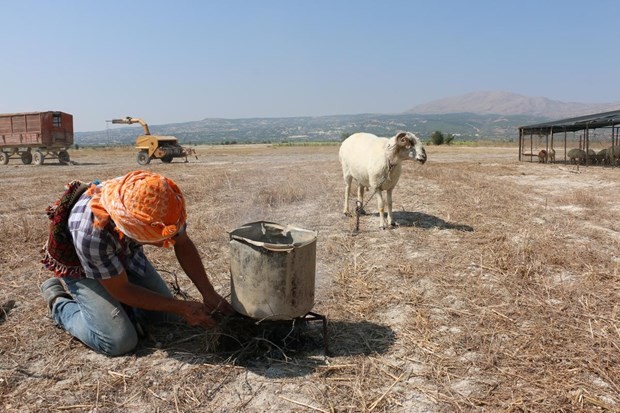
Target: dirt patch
{"points": [[497, 291]]}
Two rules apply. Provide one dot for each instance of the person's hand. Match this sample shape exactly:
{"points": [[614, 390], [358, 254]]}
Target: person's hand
{"points": [[217, 304], [197, 314]]}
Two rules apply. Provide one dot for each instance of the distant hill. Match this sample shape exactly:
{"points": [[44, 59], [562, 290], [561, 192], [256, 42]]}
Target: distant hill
{"points": [[466, 126], [474, 116], [506, 103]]}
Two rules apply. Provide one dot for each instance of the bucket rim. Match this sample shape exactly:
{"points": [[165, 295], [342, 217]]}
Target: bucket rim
{"points": [[271, 246]]}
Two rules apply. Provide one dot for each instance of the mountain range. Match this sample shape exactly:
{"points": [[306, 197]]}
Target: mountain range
{"points": [[506, 103], [491, 115]]}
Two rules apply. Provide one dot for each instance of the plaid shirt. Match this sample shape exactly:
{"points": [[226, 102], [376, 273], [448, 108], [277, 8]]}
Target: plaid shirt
{"points": [[101, 252]]}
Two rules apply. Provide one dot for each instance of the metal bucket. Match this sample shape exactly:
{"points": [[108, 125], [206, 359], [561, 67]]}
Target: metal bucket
{"points": [[272, 270]]}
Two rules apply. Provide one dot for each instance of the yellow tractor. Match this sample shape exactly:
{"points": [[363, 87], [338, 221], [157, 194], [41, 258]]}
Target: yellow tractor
{"points": [[156, 147]]}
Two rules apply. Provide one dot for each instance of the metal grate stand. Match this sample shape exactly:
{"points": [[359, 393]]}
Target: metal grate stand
{"points": [[311, 316]]}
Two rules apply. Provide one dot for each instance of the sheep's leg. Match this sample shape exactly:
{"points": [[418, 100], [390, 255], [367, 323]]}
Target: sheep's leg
{"points": [[380, 207], [360, 199], [347, 189], [388, 201]]}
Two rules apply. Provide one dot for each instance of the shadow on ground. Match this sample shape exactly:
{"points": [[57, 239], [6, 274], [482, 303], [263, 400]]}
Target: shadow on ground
{"points": [[422, 220], [270, 348]]}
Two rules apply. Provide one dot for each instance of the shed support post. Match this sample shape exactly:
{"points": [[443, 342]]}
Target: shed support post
{"points": [[520, 143], [586, 144], [565, 145], [614, 143], [550, 148]]}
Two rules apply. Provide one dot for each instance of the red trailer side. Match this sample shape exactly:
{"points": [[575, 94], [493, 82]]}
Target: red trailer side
{"points": [[35, 135]]}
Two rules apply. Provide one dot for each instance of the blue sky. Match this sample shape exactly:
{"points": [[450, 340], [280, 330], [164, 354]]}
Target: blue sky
{"points": [[180, 61]]}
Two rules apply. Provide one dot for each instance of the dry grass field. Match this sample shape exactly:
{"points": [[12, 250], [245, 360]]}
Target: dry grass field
{"points": [[499, 290]]}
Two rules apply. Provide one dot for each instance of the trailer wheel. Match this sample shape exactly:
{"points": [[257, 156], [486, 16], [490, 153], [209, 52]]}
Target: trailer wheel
{"points": [[166, 158], [4, 158], [63, 157], [38, 158], [143, 158], [27, 158]]}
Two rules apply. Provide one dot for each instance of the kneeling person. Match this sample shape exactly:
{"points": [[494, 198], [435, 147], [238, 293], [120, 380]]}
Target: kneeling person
{"points": [[109, 224]]}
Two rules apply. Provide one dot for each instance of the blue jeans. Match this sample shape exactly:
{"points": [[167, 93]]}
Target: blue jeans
{"points": [[98, 320]]}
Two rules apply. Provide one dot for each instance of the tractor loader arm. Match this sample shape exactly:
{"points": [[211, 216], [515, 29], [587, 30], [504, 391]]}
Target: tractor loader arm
{"points": [[129, 121]]}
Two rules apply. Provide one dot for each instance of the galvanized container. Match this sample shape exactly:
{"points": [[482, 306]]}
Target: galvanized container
{"points": [[272, 269]]}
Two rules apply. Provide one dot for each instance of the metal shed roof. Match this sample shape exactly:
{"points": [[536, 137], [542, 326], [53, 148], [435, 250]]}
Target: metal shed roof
{"points": [[594, 121]]}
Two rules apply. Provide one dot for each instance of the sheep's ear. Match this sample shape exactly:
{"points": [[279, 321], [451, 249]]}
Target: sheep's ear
{"points": [[402, 138]]}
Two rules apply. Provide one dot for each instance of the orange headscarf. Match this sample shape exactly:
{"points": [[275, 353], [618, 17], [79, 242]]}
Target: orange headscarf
{"points": [[145, 206]]}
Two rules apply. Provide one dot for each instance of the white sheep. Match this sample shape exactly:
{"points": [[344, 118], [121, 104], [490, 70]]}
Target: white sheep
{"points": [[545, 156], [592, 159], [577, 156], [375, 163], [613, 154], [551, 155]]}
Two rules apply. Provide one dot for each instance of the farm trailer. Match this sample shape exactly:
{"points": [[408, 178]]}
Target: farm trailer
{"points": [[35, 136]]}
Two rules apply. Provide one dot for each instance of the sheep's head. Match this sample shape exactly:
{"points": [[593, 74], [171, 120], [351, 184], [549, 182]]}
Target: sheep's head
{"points": [[411, 146]]}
